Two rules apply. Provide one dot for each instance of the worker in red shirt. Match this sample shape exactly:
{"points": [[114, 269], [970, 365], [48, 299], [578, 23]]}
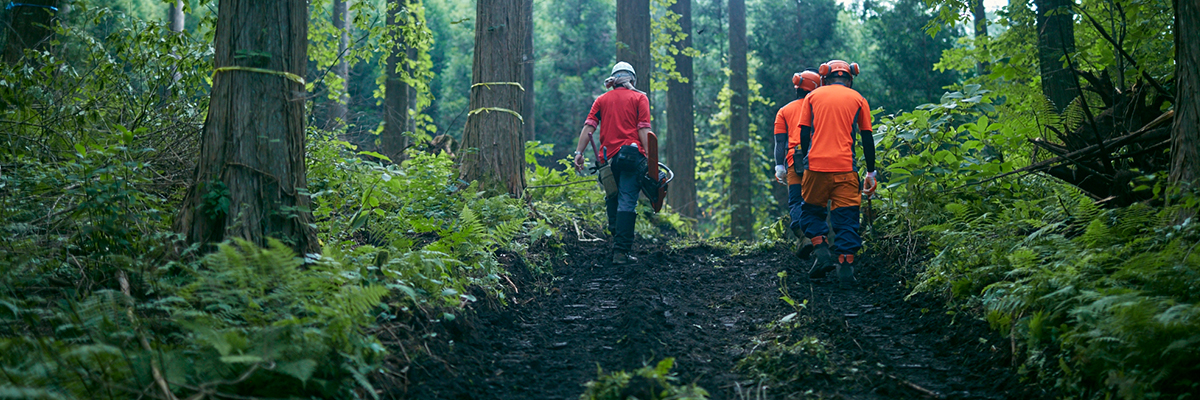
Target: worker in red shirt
{"points": [[835, 114], [623, 115], [787, 144]]}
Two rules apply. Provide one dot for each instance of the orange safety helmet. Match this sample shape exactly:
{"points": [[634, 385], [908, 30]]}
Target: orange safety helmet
{"points": [[833, 66], [807, 80]]}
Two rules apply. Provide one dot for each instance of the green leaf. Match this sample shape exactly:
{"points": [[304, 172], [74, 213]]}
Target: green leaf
{"points": [[301, 370], [241, 359]]}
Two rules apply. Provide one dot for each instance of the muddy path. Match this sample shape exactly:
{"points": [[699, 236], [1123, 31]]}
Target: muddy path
{"points": [[709, 309]]}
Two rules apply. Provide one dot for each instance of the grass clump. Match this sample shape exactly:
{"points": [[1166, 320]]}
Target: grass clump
{"points": [[646, 383]]}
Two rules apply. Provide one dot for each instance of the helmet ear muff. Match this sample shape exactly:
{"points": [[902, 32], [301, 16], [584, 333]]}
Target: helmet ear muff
{"points": [[854, 69], [796, 80], [823, 70]]}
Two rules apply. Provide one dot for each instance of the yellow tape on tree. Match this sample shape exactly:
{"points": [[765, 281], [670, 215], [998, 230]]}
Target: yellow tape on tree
{"points": [[290, 76]]}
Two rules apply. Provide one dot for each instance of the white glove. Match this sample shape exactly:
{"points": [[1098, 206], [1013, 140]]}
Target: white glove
{"points": [[780, 173], [869, 184]]}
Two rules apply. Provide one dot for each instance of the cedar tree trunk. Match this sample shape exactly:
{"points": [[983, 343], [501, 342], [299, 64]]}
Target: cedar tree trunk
{"points": [[527, 108], [981, 32], [395, 103], [338, 110], [681, 143], [30, 27], [1185, 135], [1056, 39], [494, 153], [633, 41], [741, 220], [250, 181], [177, 17]]}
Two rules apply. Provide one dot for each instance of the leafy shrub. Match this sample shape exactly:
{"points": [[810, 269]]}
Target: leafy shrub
{"points": [[646, 383]]}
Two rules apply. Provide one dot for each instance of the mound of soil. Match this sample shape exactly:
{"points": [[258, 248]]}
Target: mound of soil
{"points": [[703, 306]]}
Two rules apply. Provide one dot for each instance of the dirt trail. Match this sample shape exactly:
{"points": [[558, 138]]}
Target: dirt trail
{"points": [[704, 307]]}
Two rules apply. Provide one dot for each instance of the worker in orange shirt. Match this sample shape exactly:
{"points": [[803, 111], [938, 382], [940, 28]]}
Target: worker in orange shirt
{"points": [[787, 144], [835, 114]]}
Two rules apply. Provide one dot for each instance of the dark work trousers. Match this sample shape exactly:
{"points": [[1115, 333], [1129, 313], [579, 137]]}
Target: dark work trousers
{"points": [[795, 199], [621, 205]]}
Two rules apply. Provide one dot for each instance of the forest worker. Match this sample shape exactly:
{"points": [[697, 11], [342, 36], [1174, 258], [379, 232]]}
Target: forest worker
{"points": [[834, 114], [787, 142], [623, 115]]}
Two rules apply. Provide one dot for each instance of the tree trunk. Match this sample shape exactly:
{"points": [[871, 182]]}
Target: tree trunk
{"points": [[1185, 135], [633, 41], [741, 220], [250, 181], [495, 155], [395, 103], [981, 32], [527, 108], [29, 27], [338, 110], [681, 140], [177, 17], [1056, 39]]}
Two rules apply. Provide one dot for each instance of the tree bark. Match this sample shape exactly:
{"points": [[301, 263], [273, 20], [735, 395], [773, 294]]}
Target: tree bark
{"points": [[250, 181], [177, 17], [30, 27], [1185, 134], [981, 32], [741, 220], [528, 104], [495, 155], [681, 140], [633, 41], [339, 109], [395, 103], [1056, 39]]}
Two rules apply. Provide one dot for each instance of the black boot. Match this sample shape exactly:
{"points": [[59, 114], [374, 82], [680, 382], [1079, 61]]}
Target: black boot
{"points": [[623, 239], [845, 270], [823, 261], [804, 246], [610, 204]]}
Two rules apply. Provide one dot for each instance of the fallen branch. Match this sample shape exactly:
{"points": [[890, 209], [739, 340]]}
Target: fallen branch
{"points": [[579, 234], [917, 387], [1116, 142]]}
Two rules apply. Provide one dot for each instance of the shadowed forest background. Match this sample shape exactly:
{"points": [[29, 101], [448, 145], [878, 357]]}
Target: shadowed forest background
{"points": [[314, 199]]}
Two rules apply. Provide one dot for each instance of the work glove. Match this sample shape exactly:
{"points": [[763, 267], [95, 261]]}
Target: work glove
{"points": [[780, 174], [869, 184]]}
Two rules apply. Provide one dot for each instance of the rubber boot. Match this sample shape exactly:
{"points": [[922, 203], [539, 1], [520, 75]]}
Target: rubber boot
{"points": [[845, 270], [623, 239], [804, 246], [611, 212], [823, 261]]}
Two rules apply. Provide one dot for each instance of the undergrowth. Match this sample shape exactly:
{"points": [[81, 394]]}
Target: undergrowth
{"points": [[1098, 302], [646, 383]]}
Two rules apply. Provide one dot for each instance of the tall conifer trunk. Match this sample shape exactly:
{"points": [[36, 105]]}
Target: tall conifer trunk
{"points": [[981, 32], [341, 18], [493, 153], [250, 181], [1185, 135], [633, 40], [741, 220], [395, 103], [30, 26], [528, 103], [681, 140], [1056, 39]]}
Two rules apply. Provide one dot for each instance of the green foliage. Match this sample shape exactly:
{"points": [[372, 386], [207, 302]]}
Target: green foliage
{"points": [[242, 320], [647, 383]]}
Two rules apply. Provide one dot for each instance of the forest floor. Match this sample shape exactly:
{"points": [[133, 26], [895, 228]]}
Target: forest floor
{"points": [[708, 309]]}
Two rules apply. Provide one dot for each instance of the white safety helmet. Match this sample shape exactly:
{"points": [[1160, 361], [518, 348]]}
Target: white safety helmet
{"points": [[622, 66]]}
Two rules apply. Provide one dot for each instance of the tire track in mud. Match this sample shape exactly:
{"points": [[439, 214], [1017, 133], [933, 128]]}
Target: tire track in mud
{"points": [[704, 306]]}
